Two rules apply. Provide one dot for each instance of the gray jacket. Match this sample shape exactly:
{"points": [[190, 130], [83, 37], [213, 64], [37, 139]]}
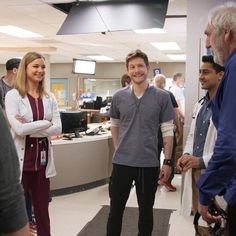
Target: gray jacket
{"points": [[12, 204]]}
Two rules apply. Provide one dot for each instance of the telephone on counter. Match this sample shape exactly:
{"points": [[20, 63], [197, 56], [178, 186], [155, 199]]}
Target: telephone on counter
{"points": [[67, 136], [94, 131]]}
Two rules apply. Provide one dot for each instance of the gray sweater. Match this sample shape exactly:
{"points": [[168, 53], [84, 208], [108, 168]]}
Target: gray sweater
{"points": [[12, 204]]}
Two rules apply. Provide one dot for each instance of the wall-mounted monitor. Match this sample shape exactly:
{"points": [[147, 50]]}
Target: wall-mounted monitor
{"points": [[81, 66]]}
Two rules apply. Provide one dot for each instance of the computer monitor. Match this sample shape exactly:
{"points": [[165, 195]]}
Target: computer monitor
{"points": [[73, 122]]}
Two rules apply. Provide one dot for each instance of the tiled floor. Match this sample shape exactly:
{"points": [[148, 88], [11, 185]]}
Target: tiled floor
{"points": [[70, 213]]}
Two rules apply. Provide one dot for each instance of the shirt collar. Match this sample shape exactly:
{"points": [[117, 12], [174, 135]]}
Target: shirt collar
{"points": [[206, 99], [230, 58]]}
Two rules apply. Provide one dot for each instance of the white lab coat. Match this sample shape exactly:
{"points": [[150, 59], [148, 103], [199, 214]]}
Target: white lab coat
{"points": [[186, 205], [17, 105]]}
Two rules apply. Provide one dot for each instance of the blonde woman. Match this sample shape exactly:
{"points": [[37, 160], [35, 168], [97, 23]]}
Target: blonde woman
{"points": [[34, 117]]}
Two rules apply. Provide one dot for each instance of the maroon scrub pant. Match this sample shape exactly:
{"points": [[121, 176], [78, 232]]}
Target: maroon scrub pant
{"points": [[38, 186]]}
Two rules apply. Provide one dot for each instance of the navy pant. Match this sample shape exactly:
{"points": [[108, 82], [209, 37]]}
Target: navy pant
{"points": [[37, 185], [119, 189], [231, 221]]}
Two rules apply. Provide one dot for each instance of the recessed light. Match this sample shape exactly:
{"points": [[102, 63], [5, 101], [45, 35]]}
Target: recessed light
{"points": [[166, 45], [18, 32], [150, 31], [100, 58], [177, 57]]}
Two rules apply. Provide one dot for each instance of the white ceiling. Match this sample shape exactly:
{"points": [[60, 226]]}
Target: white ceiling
{"points": [[38, 16]]}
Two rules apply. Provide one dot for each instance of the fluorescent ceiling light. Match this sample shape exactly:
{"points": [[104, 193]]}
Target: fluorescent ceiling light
{"points": [[150, 31], [18, 32], [177, 57], [166, 46], [101, 58], [93, 44]]}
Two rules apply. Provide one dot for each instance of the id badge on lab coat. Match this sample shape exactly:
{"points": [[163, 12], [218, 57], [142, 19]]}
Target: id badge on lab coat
{"points": [[43, 158]]}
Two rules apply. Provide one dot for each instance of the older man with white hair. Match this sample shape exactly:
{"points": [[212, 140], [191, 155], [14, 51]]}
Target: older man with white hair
{"points": [[220, 176]]}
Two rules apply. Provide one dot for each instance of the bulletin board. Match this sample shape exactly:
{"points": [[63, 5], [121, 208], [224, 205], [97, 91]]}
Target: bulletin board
{"points": [[59, 87]]}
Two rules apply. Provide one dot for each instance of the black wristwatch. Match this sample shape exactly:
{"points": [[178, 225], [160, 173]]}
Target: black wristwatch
{"points": [[167, 162]]}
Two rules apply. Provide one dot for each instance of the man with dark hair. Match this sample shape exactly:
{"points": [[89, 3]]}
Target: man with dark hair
{"points": [[201, 138], [7, 81], [210, 59], [136, 113], [13, 218], [220, 176], [125, 80]]}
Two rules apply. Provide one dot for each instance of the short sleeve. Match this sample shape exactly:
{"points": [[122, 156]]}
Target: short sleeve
{"points": [[114, 110]]}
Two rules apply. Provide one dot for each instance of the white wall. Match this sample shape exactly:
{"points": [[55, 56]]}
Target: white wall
{"points": [[103, 71], [109, 71], [197, 12]]}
